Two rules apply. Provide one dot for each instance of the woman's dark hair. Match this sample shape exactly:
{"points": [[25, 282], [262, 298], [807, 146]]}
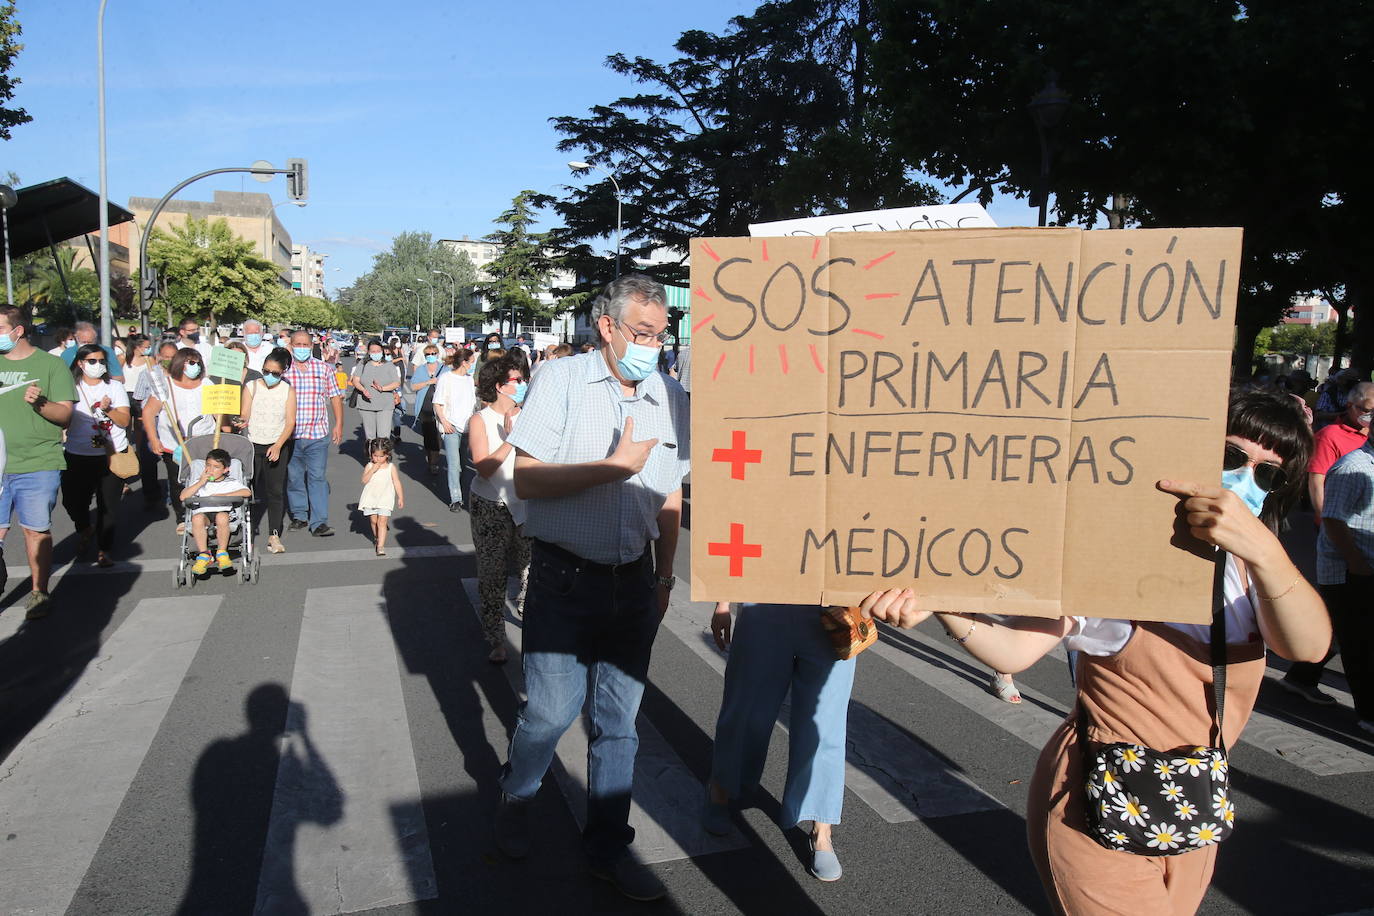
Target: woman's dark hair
{"points": [[279, 355], [184, 355], [133, 345], [1276, 422], [522, 360], [493, 375], [375, 342], [86, 350]]}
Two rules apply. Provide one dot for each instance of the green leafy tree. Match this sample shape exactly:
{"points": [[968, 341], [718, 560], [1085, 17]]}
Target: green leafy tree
{"points": [[769, 119], [1214, 130], [522, 268], [56, 290], [1298, 340], [378, 298], [10, 47], [210, 271], [284, 307]]}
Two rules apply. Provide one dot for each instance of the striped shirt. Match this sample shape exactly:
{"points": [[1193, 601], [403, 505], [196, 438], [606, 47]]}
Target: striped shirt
{"points": [[314, 384], [574, 414], [1348, 497]]}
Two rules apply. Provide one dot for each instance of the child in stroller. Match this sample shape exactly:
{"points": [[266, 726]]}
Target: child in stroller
{"points": [[215, 486]]}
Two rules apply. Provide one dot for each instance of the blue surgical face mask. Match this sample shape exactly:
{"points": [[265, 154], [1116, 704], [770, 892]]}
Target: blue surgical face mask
{"points": [[639, 361], [1241, 482], [375, 357], [301, 353], [147, 351], [69, 344], [521, 389], [6, 343], [253, 340], [431, 358], [270, 379], [282, 341], [191, 370]]}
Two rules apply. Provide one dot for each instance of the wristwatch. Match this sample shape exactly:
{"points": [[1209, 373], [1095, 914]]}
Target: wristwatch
{"points": [[667, 582]]}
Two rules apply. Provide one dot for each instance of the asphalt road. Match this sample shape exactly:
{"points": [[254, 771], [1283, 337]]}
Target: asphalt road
{"points": [[327, 741]]}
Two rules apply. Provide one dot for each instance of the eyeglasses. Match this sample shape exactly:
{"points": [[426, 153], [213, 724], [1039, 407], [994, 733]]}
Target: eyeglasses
{"points": [[514, 378], [1269, 477], [647, 339]]}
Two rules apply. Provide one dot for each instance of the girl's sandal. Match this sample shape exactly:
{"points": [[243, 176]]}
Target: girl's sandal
{"points": [[1006, 691]]}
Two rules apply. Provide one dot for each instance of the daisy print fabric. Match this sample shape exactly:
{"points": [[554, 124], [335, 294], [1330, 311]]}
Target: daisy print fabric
{"points": [[1158, 804]]}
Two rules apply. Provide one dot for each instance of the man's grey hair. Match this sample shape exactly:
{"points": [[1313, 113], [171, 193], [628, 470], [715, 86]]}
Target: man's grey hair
{"points": [[252, 321], [619, 293], [83, 326], [1360, 392]]}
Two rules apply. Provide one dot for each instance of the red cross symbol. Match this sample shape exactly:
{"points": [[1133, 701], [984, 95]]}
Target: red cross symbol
{"points": [[737, 456], [735, 549]]}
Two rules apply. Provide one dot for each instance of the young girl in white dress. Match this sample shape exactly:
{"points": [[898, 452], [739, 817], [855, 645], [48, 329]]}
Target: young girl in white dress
{"points": [[382, 491]]}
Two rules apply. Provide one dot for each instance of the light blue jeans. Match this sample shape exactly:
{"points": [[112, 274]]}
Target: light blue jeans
{"points": [[777, 648], [307, 489], [459, 463]]}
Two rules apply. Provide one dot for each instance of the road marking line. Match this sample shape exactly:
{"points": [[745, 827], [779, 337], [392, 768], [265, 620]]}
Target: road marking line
{"points": [[62, 785], [346, 697], [934, 663], [302, 558], [665, 809], [894, 774]]}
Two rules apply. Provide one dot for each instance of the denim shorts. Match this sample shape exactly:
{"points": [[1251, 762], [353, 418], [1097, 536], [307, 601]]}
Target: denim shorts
{"points": [[32, 496]]}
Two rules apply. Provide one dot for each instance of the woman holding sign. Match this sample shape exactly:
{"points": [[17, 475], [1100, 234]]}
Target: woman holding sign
{"points": [[172, 413], [1129, 801]]}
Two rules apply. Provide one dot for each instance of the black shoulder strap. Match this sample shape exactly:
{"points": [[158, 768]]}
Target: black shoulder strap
{"points": [[1219, 643]]}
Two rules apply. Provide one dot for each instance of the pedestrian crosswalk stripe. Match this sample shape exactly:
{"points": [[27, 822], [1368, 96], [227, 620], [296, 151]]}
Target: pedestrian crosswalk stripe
{"points": [[935, 664], [347, 752], [665, 808], [62, 785], [895, 775]]}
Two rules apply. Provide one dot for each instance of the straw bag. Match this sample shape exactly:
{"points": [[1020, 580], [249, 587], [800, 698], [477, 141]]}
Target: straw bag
{"points": [[849, 630], [124, 465]]}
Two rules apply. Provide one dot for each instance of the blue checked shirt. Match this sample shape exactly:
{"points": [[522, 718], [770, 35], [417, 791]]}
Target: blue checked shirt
{"points": [[575, 413], [1348, 497]]}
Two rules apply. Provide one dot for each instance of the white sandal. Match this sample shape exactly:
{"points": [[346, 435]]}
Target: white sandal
{"points": [[1006, 691]]}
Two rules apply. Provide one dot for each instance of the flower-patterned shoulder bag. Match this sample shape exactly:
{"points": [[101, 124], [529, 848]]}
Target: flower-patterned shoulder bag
{"points": [[1163, 803]]}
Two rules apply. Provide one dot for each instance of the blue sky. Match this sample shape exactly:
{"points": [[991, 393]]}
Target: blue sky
{"points": [[414, 115]]}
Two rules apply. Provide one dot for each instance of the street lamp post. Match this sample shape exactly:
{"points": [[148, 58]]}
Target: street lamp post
{"points": [[106, 315], [1047, 109], [452, 297], [417, 306], [583, 166], [267, 233], [431, 298]]}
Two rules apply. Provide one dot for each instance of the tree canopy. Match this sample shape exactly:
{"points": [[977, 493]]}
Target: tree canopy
{"points": [[766, 120], [210, 271], [10, 47], [521, 269], [379, 298]]}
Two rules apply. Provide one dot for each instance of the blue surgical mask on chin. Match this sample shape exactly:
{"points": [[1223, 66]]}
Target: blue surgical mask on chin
{"points": [[1241, 482], [301, 353]]}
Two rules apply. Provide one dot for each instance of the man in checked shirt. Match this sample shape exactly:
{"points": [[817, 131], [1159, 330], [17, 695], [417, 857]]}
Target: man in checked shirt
{"points": [[601, 450]]}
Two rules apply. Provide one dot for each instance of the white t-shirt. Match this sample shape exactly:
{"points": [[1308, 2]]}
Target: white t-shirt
{"points": [[255, 357], [1108, 636], [85, 415], [187, 403], [457, 394]]}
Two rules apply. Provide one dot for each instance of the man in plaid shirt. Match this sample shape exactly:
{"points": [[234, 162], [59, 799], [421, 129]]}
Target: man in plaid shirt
{"points": [[307, 490]]}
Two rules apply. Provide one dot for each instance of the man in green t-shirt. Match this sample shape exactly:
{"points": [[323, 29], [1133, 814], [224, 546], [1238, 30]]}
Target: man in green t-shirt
{"points": [[36, 397]]}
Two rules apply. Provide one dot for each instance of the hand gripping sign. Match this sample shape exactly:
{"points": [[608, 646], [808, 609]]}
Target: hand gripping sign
{"points": [[979, 414]]}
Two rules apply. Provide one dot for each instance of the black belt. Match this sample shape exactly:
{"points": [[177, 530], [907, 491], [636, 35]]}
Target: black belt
{"points": [[583, 563]]}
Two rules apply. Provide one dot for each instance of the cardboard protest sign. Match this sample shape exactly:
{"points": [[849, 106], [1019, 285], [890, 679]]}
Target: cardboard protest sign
{"points": [[219, 399], [226, 363], [978, 414], [940, 216]]}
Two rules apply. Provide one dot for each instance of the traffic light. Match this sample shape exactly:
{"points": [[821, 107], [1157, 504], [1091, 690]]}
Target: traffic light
{"points": [[150, 285], [296, 187]]}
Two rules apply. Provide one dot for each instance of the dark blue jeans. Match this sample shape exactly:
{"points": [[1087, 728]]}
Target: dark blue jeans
{"points": [[585, 629]]}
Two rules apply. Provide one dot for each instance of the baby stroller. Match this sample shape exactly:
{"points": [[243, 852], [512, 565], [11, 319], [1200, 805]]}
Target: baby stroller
{"points": [[240, 546]]}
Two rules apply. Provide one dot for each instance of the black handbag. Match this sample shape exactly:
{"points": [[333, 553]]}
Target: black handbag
{"points": [[1163, 803]]}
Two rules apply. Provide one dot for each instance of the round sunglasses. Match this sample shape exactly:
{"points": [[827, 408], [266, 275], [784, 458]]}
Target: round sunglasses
{"points": [[1269, 477]]}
